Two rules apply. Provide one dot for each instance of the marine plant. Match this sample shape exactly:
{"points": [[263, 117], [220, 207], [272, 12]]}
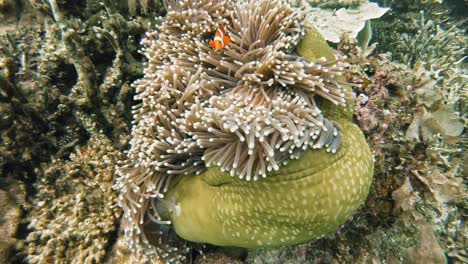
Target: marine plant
{"points": [[246, 110]]}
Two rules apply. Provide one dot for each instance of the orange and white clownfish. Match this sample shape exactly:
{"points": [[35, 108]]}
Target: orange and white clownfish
{"points": [[221, 39]]}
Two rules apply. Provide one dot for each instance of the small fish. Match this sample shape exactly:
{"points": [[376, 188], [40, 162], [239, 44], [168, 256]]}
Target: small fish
{"points": [[221, 39]]}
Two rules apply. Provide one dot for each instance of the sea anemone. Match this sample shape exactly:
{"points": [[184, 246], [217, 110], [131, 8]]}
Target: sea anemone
{"points": [[247, 108]]}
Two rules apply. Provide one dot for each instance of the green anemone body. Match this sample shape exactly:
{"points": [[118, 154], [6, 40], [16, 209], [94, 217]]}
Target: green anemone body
{"points": [[305, 199]]}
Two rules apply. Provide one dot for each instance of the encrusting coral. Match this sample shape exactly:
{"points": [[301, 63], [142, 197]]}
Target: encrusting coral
{"points": [[243, 111]]}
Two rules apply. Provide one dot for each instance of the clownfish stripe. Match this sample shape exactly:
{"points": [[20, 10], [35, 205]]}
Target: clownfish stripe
{"points": [[221, 39]]}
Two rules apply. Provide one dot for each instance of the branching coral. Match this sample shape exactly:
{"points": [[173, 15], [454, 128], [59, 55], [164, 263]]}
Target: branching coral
{"points": [[442, 53], [247, 109]]}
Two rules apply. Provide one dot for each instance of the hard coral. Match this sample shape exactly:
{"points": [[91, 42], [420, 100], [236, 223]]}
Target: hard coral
{"points": [[74, 214], [352, 18], [422, 179]]}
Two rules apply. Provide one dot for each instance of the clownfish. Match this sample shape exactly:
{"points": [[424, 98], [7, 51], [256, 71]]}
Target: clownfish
{"points": [[221, 39]]}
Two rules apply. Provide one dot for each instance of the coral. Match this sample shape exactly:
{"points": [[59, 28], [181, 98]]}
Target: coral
{"points": [[405, 199], [336, 3], [428, 175], [12, 194], [144, 6], [332, 23], [64, 90], [74, 216], [441, 53], [432, 45], [287, 254], [216, 258], [428, 251], [10, 11]]}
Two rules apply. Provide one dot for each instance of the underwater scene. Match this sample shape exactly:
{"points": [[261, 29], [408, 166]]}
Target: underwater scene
{"points": [[233, 131]]}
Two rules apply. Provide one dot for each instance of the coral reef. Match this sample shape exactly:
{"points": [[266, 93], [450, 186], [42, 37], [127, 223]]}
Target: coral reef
{"points": [[432, 46], [65, 113], [428, 251], [386, 116], [64, 103], [418, 194], [145, 7], [74, 215], [336, 3]]}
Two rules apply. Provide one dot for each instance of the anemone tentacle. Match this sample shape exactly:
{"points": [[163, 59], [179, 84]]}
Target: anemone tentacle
{"points": [[249, 108]]}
